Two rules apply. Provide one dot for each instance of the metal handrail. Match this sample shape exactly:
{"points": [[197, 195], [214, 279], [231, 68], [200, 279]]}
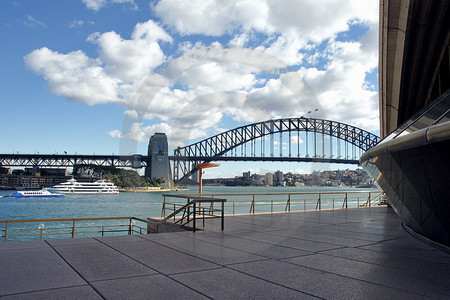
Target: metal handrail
{"points": [[374, 200], [172, 215], [191, 202], [73, 231]]}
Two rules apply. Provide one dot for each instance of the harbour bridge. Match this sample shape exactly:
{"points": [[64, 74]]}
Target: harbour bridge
{"points": [[284, 140]]}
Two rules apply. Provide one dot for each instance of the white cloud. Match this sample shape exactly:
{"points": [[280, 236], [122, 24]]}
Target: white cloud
{"points": [[79, 23], [115, 133], [296, 140], [212, 17], [114, 77], [307, 18], [74, 76], [135, 58], [33, 22], [132, 114], [97, 4], [75, 23], [341, 88]]}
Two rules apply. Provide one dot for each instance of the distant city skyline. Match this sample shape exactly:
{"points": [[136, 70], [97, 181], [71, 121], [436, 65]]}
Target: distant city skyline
{"points": [[102, 76]]}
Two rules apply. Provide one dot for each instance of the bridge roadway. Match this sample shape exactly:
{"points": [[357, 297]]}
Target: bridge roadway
{"points": [[137, 160], [359, 253]]}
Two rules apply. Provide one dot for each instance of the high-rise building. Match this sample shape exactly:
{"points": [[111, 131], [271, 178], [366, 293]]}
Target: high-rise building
{"points": [[278, 176], [269, 179]]}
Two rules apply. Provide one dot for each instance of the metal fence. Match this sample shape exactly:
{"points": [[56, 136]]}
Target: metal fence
{"points": [[245, 203], [73, 227]]}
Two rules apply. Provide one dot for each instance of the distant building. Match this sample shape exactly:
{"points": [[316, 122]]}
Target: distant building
{"points": [[246, 175], [278, 176], [269, 179]]}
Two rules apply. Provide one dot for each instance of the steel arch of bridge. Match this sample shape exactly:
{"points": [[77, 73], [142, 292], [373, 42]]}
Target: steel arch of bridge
{"points": [[214, 148]]}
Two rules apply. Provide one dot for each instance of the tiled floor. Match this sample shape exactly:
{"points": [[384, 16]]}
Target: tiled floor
{"points": [[341, 254]]}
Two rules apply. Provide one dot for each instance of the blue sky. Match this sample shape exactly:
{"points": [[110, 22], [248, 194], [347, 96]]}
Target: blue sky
{"points": [[102, 76]]}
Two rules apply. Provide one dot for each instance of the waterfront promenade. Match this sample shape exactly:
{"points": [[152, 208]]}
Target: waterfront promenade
{"points": [[361, 253]]}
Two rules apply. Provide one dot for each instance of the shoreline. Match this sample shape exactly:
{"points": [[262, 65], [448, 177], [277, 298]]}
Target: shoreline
{"points": [[131, 190]]}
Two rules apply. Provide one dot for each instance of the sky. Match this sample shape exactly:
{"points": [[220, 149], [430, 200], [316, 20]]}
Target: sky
{"points": [[102, 76]]}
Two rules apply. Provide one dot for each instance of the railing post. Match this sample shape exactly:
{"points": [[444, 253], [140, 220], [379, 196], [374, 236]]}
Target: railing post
{"points": [[320, 201], [346, 197], [188, 213], [41, 228], [333, 203], [304, 204], [271, 206], [6, 229], [163, 212], [233, 206], [253, 204], [289, 203], [202, 213], [223, 219], [357, 202], [73, 229], [129, 228], [193, 220], [369, 199]]}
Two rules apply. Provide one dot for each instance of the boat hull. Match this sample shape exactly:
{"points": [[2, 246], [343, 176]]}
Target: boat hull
{"points": [[36, 196]]}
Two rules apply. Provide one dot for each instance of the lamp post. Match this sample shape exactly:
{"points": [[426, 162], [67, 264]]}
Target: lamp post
{"points": [[200, 168]]}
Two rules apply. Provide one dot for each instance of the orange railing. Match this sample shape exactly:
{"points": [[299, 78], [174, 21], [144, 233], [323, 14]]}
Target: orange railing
{"points": [[244, 203], [72, 227]]}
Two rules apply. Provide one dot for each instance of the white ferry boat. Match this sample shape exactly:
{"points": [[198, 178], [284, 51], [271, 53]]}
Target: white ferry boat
{"points": [[34, 194], [100, 187]]}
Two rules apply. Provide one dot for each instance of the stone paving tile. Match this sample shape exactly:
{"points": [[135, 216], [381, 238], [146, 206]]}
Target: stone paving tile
{"points": [[437, 286], [411, 248], [229, 284], [346, 234], [23, 245], [206, 251], [422, 266], [145, 287], [254, 247], [34, 269], [365, 228], [214, 225], [70, 241], [84, 292], [162, 258], [286, 241], [319, 283], [120, 239], [100, 262], [317, 236]]}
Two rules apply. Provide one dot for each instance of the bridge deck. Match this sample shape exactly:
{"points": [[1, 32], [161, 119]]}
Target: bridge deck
{"points": [[341, 254]]}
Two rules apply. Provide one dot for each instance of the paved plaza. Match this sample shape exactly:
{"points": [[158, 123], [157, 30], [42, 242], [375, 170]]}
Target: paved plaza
{"points": [[360, 253]]}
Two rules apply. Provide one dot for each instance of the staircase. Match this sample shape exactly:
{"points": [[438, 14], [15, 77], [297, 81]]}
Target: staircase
{"points": [[185, 217]]}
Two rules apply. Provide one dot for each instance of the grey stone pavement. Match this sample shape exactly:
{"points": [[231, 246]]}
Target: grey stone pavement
{"points": [[343, 254]]}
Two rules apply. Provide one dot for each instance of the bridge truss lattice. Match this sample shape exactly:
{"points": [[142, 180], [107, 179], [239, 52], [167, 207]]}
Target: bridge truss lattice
{"points": [[288, 139]]}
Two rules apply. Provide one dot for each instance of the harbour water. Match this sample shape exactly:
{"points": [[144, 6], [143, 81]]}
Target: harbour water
{"points": [[128, 204]]}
